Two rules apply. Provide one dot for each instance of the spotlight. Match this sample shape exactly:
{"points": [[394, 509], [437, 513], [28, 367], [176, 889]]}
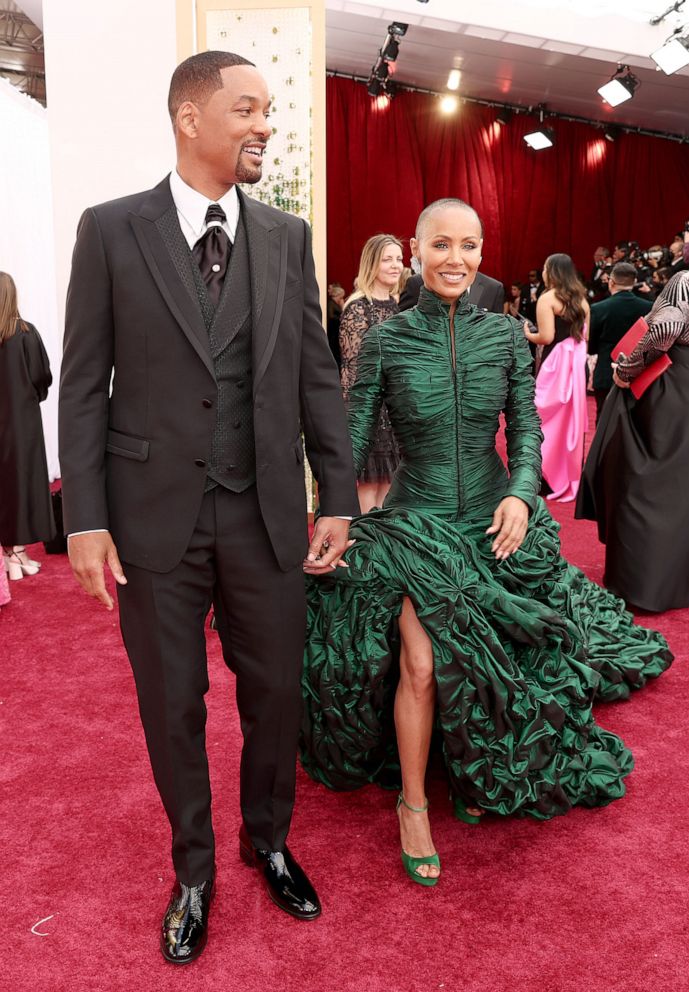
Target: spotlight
{"points": [[449, 104], [381, 70], [622, 86], [673, 55], [375, 86], [454, 79], [398, 28], [390, 49], [543, 138], [611, 132], [504, 116]]}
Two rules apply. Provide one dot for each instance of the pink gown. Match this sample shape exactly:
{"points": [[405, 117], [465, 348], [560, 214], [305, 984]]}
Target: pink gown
{"points": [[561, 404]]}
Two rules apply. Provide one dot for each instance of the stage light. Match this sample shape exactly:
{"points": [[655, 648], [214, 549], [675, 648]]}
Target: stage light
{"points": [[622, 86], [381, 70], [398, 28], [543, 138], [375, 86], [504, 116], [449, 104], [454, 79], [673, 55], [611, 132], [390, 49]]}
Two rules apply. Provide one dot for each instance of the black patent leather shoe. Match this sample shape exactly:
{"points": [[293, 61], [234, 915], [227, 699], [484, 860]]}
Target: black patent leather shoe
{"points": [[185, 924], [286, 882]]}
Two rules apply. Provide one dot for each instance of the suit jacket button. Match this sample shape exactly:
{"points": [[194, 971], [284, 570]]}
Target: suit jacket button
{"points": [[237, 424], [200, 462], [207, 403], [241, 384]]}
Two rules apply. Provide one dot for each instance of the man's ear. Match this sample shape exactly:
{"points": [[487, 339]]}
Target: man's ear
{"points": [[187, 120]]}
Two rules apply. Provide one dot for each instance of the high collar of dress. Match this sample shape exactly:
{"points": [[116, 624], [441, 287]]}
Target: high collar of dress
{"points": [[430, 303]]}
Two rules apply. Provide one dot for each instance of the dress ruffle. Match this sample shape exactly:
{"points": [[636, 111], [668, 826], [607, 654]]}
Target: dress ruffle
{"points": [[521, 649]]}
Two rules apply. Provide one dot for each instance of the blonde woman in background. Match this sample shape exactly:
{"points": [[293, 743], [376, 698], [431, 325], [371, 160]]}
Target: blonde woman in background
{"points": [[373, 302], [26, 514]]}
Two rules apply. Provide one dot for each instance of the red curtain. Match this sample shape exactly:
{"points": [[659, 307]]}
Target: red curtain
{"points": [[384, 166]]}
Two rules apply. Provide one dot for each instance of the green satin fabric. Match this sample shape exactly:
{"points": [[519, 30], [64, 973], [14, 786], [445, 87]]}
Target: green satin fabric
{"points": [[522, 647]]}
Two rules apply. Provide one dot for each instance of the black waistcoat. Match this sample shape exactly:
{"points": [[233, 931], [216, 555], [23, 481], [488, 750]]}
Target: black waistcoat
{"points": [[233, 460]]}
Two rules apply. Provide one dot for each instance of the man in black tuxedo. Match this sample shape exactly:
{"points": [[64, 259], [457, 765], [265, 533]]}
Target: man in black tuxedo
{"points": [[610, 321], [484, 292], [187, 477]]}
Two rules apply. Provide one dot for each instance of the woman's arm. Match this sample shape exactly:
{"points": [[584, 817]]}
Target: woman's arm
{"points": [[366, 397], [523, 425], [657, 340], [37, 362], [545, 319]]}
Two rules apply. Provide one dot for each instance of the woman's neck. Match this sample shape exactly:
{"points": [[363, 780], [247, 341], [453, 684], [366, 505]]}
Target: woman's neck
{"points": [[380, 292]]}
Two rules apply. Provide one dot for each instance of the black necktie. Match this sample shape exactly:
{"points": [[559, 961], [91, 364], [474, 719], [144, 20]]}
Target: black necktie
{"points": [[212, 251]]}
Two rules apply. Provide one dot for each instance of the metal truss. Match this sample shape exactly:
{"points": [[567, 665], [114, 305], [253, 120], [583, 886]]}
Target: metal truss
{"points": [[22, 59]]}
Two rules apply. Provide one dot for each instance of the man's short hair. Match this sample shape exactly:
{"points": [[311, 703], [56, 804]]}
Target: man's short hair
{"points": [[624, 274], [198, 77], [437, 205]]}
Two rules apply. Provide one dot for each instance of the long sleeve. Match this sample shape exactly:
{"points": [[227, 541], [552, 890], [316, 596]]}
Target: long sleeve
{"points": [[354, 323], [85, 382], [37, 363], [523, 427], [366, 398], [657, 340]]}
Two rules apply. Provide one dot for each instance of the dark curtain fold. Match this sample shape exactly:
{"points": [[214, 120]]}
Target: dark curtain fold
{"points": [[385, 165]]}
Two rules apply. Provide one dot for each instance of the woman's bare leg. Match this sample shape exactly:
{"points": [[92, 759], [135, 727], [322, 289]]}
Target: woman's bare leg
{"points": [[367, 492], [414, 709]]}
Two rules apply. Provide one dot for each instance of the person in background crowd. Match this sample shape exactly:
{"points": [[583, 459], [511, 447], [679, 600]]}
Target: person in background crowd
{"points": [[561, 317], [26, 513], [336, 297], [620, 252], [659, 279], [531, 290], [513, 300], [679, 251], [407, 273], [610, 321], [597, 289], [637, 471], [457, 614], [185, 477], [380, 268]]}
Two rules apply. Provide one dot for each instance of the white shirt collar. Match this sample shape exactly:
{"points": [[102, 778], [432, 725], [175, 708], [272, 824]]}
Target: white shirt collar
{"points": [[192, 206]]}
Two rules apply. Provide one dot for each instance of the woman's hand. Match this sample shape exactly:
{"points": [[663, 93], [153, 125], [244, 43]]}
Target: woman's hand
{"points": [[619, 382], [329, 542], [510, 521]]}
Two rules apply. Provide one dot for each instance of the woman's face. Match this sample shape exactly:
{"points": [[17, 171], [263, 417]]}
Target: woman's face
{"points": [[390, 266], [515, 292], [449, 250]]}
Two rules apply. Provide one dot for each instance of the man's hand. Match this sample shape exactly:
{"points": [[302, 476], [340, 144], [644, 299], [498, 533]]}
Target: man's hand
{"points": [[510, 521], [328, 543], [87, 555]]}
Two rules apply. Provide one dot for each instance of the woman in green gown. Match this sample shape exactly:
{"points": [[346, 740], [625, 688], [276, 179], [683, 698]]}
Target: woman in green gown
{"points": [[456, 610]]}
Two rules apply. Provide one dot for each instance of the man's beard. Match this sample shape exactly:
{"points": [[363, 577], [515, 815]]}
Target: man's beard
{"points": [[245, 174]]}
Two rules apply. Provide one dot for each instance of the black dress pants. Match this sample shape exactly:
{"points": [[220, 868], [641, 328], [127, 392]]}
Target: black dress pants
{"points": [[261, 617]]}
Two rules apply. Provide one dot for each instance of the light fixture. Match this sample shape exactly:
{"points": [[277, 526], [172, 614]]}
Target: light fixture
{"points": [[543, 138], [504, 115], [622, 86], [381, 70], [611, 132], [449, 103], [390, 49], [398, 28], [673, 55], [376, 86], [454, 79]]}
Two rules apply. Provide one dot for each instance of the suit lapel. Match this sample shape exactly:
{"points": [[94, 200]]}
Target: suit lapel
{"points": [[157, 231], [478, 291], [267, 241]]}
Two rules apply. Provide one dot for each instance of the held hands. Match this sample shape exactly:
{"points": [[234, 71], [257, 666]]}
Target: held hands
{"points": [[87, 555], [510, 521], [328, 544]]}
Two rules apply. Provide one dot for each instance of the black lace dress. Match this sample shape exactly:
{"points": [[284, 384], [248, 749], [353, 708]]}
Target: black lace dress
{"points": [[356, 319]]}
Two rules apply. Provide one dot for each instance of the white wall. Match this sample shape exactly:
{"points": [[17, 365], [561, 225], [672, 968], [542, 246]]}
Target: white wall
{"points": [[108, 68]]}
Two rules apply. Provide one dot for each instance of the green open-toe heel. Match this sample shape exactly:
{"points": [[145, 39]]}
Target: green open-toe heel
{"points": [[410, 863], [459, 808]]}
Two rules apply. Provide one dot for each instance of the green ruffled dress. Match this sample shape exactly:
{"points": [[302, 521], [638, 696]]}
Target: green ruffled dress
{"points": [[522, 648]]}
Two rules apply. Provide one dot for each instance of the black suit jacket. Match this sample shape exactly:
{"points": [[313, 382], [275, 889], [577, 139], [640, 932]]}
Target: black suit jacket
{"points": [[134, 461], [610, 321], [486, 293]]}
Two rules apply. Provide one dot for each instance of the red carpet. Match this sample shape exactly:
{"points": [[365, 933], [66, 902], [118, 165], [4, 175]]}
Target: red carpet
{"points": [[593, 901]]}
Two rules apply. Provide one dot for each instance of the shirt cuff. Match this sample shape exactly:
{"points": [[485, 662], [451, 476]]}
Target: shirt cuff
{"points": [[99, 530]]}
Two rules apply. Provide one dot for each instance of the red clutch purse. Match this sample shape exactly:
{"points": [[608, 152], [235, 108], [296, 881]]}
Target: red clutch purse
{"points": [[627, 345]]}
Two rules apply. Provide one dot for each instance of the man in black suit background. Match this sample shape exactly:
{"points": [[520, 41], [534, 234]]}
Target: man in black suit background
{"points": [[484, 292], [610, 321], [186, 476]]}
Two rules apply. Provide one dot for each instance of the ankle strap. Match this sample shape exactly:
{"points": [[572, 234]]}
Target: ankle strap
{"points": [[401, 801]]}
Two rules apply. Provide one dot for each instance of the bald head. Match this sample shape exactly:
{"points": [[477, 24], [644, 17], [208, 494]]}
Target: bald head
{"points": [[439, 205]]}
